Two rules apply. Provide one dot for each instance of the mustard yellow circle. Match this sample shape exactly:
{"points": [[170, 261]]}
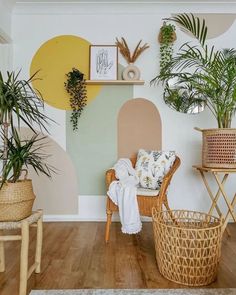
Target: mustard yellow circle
{"points": [[54, 59]]}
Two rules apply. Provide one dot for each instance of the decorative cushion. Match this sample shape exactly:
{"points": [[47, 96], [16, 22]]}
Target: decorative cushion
{"points": [[152, 166], [147, 192]]}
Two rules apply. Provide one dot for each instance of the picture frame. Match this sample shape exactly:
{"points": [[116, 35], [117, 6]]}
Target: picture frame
{"points": [[103, 62]]}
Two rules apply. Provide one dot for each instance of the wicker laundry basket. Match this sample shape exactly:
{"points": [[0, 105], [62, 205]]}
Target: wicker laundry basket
{"points": [[16, 200], [218, 147], [188, 246]]}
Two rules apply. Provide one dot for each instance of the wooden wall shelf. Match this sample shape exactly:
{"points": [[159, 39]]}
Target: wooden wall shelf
{"points": [[115, 82]]}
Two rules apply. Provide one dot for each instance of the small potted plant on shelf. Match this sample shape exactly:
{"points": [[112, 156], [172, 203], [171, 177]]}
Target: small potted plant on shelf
{"points": [[208, 76], [19, 102]]}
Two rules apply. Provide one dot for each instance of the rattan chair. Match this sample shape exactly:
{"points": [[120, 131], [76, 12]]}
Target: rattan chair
{"points": [[146, 201]]}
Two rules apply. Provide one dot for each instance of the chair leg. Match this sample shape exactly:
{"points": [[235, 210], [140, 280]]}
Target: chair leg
{"points": [[24, 258], [109, 218], [2, 255], [39, 242]]}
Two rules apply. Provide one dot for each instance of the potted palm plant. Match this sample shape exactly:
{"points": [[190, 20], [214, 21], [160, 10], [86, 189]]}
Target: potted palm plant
{"points": [[207, 77], [19, 102]]}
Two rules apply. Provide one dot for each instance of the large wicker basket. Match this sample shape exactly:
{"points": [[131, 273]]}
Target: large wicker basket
{"points": [[16, 200], [219, 148], [188, 246]]}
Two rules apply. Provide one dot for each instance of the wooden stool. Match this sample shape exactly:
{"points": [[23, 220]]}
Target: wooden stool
{"points": [[34, 220]]}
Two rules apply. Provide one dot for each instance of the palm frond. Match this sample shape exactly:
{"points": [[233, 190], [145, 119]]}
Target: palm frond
{"points": [[210, 72], [192, 25]]}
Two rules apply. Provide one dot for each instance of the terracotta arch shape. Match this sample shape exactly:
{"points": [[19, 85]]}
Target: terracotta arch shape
{"points": [[139, 126]]}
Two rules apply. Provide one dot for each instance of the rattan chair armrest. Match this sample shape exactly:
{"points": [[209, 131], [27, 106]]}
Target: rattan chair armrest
{"points": [[110, 176], [167, 178]]}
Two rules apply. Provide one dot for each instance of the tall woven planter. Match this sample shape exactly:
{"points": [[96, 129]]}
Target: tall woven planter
{"points": [[16, 200], [218, 147]]}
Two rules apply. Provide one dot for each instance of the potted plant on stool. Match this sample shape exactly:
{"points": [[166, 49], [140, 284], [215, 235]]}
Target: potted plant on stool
{"points": [[208, 76], [19, 102]]}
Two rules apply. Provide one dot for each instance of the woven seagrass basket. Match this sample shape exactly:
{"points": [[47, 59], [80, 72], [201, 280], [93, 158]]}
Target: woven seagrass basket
{"points": [[188, 246], [16, 200], [218, 147]]}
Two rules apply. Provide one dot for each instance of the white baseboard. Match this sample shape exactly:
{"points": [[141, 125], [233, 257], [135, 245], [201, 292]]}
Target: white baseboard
{"points": [[77, 218], [71, 218], [90, 209]]}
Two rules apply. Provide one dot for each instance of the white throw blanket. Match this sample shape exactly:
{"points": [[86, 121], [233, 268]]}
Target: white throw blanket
{"points": [[123, 192]]}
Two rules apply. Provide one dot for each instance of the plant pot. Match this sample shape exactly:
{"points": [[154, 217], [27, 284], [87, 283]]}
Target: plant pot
{"points": [[173, 38], [219, 147], [131, 73], [16, 200]]}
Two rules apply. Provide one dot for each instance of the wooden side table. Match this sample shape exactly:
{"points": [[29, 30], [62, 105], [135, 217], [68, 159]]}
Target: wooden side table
{"points": [[34, 220], [220, 181]]}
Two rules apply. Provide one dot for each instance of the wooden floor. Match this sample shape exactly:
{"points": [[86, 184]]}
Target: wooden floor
{"points": [[75, 256]]}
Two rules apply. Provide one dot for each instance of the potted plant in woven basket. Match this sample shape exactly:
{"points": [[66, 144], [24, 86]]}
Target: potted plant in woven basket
{"points": [[20, 103], [210, 74]]}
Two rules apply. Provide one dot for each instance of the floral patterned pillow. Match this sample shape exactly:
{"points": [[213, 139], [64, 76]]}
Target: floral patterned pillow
{"points": [[152, 166]]}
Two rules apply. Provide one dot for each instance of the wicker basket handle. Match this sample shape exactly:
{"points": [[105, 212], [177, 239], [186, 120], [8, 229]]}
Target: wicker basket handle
{"points": [[198, 129], [26, 173]]}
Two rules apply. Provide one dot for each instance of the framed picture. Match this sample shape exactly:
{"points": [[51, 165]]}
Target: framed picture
{"points": [[103, 60]]}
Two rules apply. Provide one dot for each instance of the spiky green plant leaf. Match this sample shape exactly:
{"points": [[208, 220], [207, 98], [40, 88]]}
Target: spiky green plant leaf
{"points": [[24, 154]]}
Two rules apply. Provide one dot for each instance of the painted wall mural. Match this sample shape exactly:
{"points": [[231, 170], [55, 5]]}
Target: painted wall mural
{"points": [[139, 126], [112, 124], [217, 23], [93, 149], [62, 190], [54, 59]]}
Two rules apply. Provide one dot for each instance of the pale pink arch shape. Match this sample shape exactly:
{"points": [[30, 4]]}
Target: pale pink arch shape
{"points": [[58, 195], [139, 126]]}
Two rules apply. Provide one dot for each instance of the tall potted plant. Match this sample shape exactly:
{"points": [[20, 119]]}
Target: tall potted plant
{"points": [[208, 77], [19, 102]]}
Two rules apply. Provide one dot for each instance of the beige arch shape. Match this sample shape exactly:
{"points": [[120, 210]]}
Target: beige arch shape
{"points": [[139, 126]]}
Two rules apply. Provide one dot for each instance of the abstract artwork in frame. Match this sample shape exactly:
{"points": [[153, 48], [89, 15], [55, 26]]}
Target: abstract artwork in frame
{"points": [[103, 62]]}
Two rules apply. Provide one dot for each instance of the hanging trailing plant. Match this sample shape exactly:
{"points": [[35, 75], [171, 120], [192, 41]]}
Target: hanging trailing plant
{"points": [[166, 37], [76, 88]]}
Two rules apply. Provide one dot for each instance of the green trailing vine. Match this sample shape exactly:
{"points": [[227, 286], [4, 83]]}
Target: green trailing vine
{"points": [[167, 37], [76, 88]]}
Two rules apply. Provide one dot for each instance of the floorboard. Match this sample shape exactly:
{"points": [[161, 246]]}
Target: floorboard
{"points": [[75, 256]]}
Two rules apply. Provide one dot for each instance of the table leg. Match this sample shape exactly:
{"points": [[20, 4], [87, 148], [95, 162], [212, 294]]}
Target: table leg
{"points": [[233, 203], [216, 198], [24, 257], [231, 209], [2, 254], [214, 204]]}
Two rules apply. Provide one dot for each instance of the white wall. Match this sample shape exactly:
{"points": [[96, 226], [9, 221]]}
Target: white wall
{"points": [[5, 36], [5, 16], [101, 24]]}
